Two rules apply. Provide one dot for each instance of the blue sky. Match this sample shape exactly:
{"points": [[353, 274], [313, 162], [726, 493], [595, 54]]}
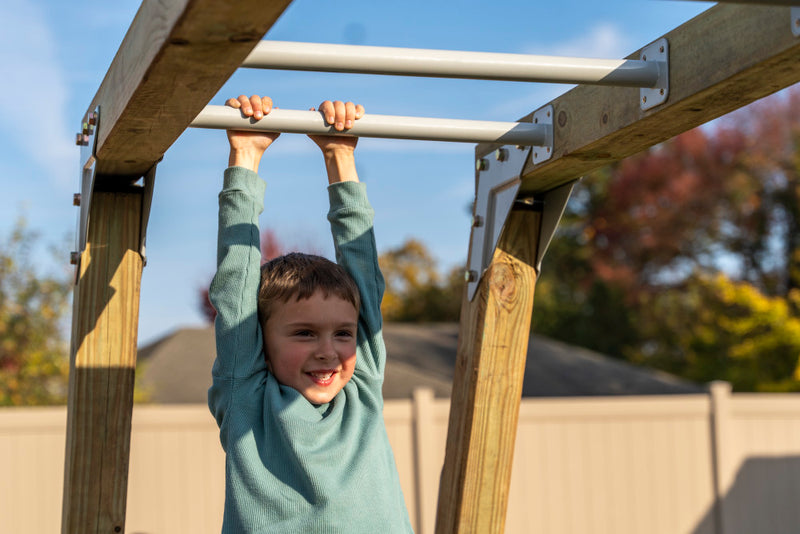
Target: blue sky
{"points": [[54, 55]]}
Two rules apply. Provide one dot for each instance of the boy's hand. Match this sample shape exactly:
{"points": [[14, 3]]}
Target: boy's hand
{"points": [[341, 115], [339, 150], [247, 147]]}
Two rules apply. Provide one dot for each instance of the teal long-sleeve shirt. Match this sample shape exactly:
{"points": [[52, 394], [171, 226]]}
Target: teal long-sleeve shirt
{"points": [[291, 466]]}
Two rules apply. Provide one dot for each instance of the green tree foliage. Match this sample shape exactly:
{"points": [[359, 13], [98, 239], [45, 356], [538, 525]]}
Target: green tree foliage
{"points": [[34, 362], [717, 328], [634, 269], [414, 290]]}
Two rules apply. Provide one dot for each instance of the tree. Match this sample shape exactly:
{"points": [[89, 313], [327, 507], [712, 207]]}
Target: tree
{"points": [[717, 328], [415, 292], [630, 270], [34, 357]]}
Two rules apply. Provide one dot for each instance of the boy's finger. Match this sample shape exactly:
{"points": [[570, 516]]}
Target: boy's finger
{"points": [[258, 111], [360, 111], [327, 111], [245, 106], [232, 102], [339, 110], [266, 104], [349, 114]]}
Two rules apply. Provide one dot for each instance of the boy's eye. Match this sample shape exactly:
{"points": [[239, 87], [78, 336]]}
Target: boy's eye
{"points": [[344, 333], [303, 333]]}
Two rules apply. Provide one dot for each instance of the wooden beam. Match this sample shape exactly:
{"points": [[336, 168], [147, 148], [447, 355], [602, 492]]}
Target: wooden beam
{"points": [[723, 59], [173, 60], [103, 357], [492, 348]]}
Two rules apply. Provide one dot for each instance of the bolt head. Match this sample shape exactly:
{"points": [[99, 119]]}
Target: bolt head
{"points": [[470, 276], [74, 257], [91, 118], [477, 221], [501, 154], [76, 199], [481, 164]]}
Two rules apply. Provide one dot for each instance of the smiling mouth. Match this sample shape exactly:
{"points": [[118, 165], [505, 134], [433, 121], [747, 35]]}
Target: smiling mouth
{"points": [[322, 378]]}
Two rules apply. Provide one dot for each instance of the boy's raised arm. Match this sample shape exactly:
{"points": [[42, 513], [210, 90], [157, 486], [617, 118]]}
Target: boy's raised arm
{"points": [[234, 289], [351, 219]]}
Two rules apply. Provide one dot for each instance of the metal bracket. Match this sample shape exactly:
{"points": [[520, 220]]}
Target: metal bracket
{"points": [[555, 202], [544, 116], [795, 21], [497, 183], [657, 51], [87, 140]]}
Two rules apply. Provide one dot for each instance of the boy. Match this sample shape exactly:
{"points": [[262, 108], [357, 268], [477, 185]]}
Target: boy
{"points": [[297, 384]]}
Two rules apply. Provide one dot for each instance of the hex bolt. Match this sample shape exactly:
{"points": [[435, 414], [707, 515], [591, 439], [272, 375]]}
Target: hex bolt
{"points": [[501, 154], [92, 118], [477, 221], [76, 199], [79, 139], [470, 276], [74, 257], [482, 164]]}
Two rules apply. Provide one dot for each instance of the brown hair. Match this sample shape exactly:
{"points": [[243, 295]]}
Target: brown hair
{"points": [[298, 275]]}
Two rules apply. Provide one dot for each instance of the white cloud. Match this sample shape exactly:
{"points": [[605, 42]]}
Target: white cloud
{"points": [[603, 41], [33, 97]]}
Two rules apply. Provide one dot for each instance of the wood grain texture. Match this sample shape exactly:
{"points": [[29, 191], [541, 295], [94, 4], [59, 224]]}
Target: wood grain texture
{"points": [[487, 387], [103, 357], [175, 57], [723, 59]]}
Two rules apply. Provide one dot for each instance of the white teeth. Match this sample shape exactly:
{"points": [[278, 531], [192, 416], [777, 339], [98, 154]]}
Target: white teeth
{"points": [[322, 376]]}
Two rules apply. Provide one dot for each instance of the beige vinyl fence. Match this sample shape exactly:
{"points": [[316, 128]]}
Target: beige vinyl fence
{"points": [[694, 464]]}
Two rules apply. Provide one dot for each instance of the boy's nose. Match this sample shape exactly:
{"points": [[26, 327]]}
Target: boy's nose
{"points": [[325, 350]]}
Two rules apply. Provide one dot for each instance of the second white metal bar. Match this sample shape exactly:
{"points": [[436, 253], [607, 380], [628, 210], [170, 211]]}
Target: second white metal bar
{"points": [[385, 126], [285, 55]]}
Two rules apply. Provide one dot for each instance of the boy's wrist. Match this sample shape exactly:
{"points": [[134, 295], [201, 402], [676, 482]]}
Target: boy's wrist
{"points": [[340, 163], [247, 158]]}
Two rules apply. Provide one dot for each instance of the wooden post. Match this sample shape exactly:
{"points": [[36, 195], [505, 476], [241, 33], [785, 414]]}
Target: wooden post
{"points": [[102, 361], [487, 388]]}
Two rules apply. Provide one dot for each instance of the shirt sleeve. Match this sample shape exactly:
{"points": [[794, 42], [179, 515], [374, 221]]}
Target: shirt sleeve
{"points": [[351, 219], [234, 292]]}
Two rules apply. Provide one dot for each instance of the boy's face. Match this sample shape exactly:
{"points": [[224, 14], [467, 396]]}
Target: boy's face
{"points": [[311, 345]]}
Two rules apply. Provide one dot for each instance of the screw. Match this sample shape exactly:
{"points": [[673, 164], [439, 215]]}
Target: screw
{"points": [[470, 276], [477, 221], [548, 113], [92, 118], [661, 92], [79, 139], [535, 120], [535, 155], [482, 164], [644, 100], [661, 49], [74, 257], [76, 199], [644, 57], [501, 154]]}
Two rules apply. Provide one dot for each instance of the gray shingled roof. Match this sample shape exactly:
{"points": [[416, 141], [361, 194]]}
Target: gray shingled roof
{"points": [[177, 367]]}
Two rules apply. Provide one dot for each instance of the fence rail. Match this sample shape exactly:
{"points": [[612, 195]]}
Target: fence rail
{"points": [[695, 464]]}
